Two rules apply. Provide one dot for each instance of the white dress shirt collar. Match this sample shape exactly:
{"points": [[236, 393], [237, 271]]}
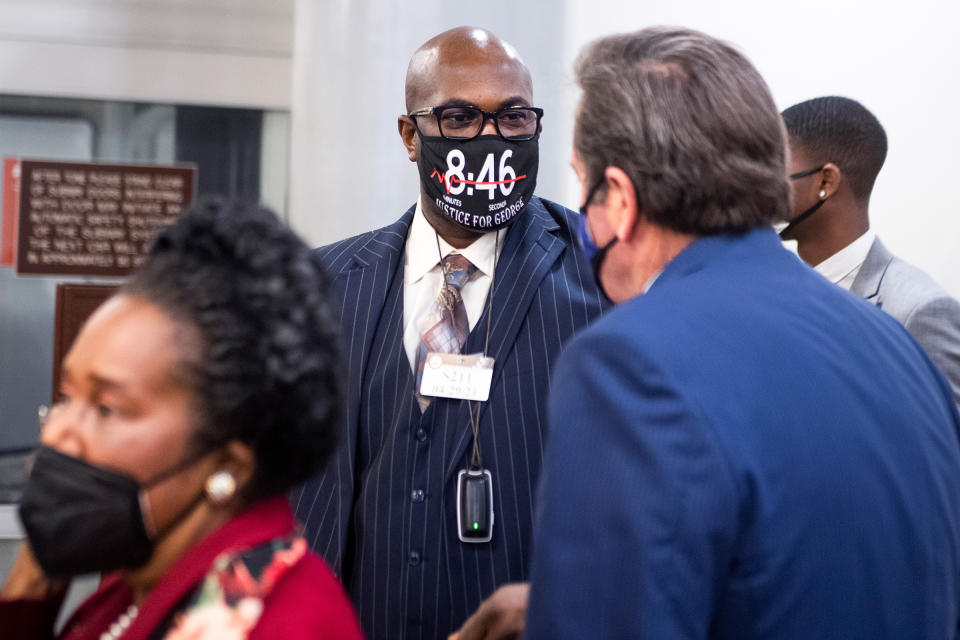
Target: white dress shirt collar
{"points": [[422, 254], [423, 277], [842, 267]]}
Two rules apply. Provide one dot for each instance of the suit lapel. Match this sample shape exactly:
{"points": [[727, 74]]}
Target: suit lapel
{"points": [[867, 283], [361, 269], [384, 244], [363, 278], [529, 251]]}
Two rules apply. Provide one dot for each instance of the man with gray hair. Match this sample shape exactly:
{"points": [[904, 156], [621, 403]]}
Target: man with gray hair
{"points": [[740, 449]]}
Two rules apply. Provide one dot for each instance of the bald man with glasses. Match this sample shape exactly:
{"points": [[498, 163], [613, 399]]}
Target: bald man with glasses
{"points": [[452, 319]]}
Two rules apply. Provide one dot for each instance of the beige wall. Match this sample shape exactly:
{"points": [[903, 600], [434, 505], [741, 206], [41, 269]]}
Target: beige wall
{"points": [[217, 52], [349, 171], [901, 60], [339, 64]]}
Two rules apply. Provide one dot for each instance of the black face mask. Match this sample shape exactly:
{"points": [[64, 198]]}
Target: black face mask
{"points": [[80, 518], [800, 218], [596, 255], [811, 210], [483, 183]]}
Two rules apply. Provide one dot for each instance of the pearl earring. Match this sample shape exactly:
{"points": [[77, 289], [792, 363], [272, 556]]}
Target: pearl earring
{"points": [[822, 194], [220, 487]]}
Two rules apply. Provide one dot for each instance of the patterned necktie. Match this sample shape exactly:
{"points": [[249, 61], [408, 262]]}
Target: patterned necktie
{"points": [[445, 327]]}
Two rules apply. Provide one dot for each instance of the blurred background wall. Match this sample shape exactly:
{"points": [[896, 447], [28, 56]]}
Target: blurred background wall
{"points": [[199, 81], [336, 66], [233, 52], [349, 172], [901, 60]]}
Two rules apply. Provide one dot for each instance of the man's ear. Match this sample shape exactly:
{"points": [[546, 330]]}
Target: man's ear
{"points": [[830, 178], [408, 133], [622, 208]]}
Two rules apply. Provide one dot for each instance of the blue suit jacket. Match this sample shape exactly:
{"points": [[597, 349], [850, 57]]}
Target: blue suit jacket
{"points": [[747, 451], [401, 559]]}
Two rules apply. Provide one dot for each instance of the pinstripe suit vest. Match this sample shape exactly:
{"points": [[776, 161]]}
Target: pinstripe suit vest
{"points": [[383, 514]]}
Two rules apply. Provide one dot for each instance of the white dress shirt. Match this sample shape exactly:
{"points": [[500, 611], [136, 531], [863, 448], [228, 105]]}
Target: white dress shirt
{"points": [[422, 276], [842, 267]]}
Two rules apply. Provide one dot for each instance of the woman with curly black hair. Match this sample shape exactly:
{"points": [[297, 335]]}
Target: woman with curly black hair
{"points": [[191, 402]]}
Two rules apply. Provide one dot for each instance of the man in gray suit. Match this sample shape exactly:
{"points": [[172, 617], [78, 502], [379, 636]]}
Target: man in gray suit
{"points": [[837, 148]]}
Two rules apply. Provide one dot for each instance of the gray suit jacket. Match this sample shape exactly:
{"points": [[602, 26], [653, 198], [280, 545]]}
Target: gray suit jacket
{"points": [[918, 303]]}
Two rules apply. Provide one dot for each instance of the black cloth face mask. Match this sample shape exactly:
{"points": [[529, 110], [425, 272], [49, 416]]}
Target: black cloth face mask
{"points": [[482, 183], [596, 255], [80, 518], [800, 218], [810, 210]]}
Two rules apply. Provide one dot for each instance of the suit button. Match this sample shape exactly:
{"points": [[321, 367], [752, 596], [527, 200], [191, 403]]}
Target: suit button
{"points": [[414, 558], [417, 495], [421, 434]]}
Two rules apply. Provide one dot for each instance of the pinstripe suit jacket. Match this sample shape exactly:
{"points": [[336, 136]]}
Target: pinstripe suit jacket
{"points": [[383, 513]]}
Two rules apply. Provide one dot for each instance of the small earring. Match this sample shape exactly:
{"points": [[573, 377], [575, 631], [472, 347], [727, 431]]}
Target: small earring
{"points": [[220, 487], [822, 194]]}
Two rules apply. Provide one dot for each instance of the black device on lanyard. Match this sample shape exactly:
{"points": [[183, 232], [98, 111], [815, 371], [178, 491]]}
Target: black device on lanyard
{"points": [[475, 484], [475, 505]]}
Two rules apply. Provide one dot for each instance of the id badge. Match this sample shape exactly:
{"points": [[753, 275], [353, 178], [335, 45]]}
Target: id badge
{"points": [[457, 376]]}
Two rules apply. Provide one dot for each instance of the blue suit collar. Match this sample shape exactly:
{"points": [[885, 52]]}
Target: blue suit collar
{"points": [[707, 249]]}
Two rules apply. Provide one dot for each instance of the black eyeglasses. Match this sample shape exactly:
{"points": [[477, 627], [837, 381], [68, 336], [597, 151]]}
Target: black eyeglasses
{"points": [[804, 174], [591, 193], [464, 123]]}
